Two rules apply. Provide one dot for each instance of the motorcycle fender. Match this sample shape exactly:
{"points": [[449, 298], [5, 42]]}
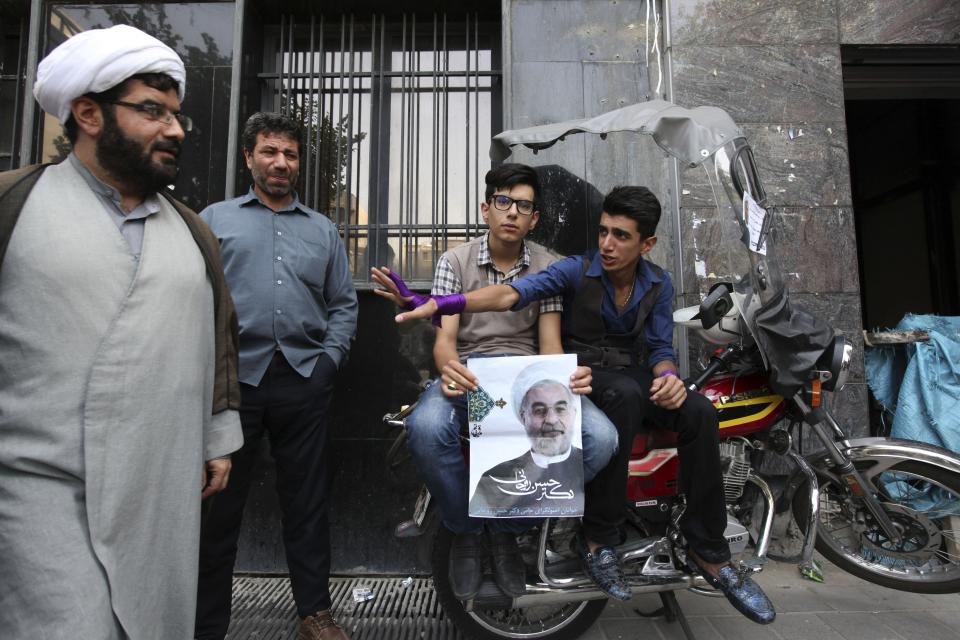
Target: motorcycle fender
{"points": [[860, 448], [896, 448]]}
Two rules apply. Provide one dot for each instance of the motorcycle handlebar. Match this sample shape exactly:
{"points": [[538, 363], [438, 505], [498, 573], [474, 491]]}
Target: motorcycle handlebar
{"points": [[718, 363]]}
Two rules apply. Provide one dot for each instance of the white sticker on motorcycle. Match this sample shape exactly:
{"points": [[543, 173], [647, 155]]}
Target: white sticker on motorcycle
{"points": [[756, 219], [526, 451]]}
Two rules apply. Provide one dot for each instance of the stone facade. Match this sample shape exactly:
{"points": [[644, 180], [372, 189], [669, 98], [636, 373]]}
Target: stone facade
{"points": [[775, 66]]}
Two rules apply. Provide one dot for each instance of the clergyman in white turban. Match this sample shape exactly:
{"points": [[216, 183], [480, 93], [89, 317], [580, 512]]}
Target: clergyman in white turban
{"points": [[118, 393], [94, 61]]}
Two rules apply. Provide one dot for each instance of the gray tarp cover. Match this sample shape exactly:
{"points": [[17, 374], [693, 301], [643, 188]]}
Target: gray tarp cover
{"points": [[793, 341], [691, 135]]}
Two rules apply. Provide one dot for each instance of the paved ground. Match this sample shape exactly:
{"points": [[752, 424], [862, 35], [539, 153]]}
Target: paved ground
{"points": [[842, 608]]}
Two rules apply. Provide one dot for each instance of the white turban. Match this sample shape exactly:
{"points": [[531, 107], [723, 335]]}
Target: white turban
{"points": [[531, 375], [96, 60]]}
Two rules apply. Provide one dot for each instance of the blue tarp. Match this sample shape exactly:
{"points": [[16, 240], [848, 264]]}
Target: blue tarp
{"points": [[920, 383]]}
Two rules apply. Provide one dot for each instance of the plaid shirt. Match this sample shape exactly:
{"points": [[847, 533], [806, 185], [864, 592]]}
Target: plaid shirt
{"points": [[446, 281]]}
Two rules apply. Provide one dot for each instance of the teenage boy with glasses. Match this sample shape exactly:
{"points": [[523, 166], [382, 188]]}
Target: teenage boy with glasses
{"points": [[500, 256]]}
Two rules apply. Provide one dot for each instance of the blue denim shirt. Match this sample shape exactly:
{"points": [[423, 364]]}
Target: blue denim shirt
{"points": [[563, 278], [290, 281]]}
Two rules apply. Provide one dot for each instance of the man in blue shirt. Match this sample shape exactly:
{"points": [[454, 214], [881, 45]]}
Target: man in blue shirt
{"points": [[618, 316], [291, 283]]}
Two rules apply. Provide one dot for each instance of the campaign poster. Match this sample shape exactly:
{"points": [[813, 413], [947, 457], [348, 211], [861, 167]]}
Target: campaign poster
{"points": [[526, 450]]}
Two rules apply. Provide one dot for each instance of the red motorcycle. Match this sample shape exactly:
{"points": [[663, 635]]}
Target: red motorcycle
{"points": [[882, 509]]}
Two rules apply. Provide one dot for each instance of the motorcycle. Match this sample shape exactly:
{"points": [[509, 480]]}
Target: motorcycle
{"points": [[882, 509]]}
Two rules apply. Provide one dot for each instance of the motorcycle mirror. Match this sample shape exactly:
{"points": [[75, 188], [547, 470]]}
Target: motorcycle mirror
{"points": [[716, 305]]}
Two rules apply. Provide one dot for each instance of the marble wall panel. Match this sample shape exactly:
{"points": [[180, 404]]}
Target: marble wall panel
{"points": [[899, 22], [544, 92], [817, 249], [695, 191], [768, 83], [799, 164], [630, 159], [849, 408], [707, 257], [716, 22], [546, 30], [611, 85]]}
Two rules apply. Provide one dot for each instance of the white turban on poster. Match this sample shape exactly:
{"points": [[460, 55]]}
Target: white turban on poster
{"points": [[96, 60], [532, 374]]}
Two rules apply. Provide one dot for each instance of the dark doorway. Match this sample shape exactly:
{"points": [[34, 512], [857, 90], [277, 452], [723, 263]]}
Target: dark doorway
{"points": [[903, 126]]}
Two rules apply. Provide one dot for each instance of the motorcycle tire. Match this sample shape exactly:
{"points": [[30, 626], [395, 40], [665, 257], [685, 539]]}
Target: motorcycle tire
{"points": [[555, 622], [927, 559]]}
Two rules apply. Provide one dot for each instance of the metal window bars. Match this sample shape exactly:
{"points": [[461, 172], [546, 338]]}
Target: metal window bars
{"points": [[13, 57], [397, 112]]}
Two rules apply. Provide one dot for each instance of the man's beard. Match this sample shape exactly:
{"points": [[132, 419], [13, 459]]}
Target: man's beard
{"points": [[550, 446], [125, 159], [261, 180], [553, 445]]}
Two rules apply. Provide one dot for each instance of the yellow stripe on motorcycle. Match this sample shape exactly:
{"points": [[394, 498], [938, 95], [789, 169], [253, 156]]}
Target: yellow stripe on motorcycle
{"points": [[771, 402]]}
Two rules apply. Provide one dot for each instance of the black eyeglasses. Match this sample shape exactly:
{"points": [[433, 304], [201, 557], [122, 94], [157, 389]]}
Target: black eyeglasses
{"points": [[503, 203], [157, 113]]}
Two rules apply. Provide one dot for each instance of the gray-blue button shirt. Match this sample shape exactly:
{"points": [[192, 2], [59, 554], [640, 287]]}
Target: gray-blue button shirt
{"points": [[130, 223], [290, 281]]}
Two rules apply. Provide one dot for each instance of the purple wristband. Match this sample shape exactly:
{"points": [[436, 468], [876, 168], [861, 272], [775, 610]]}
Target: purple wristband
{"points": [[668, 372], [449, 305], [417, 299]]}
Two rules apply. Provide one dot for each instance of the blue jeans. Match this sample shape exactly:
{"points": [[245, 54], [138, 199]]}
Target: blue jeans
{"points": [[434, 430]]}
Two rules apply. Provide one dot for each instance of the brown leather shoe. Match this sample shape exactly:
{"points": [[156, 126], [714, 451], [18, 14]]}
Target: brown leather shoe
{"points": [[320, 626]]}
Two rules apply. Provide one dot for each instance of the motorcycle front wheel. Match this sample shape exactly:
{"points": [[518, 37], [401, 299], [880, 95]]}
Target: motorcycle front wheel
{"points": [[922, 500], [552, 622]]}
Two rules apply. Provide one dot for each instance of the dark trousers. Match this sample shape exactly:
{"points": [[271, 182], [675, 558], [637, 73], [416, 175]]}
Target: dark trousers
{"points": [[623, 394], [293, 413]]}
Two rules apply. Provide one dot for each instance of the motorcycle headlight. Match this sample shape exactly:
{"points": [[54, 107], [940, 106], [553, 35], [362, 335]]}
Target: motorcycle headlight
{"points": [[844, 371], [836, 361]]}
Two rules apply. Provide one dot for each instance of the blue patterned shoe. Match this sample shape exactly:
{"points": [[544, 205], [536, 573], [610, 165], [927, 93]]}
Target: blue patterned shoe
{"points": [[604, 569], [744, 594]]}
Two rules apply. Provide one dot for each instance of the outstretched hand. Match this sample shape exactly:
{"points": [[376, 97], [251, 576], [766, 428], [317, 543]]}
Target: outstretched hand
{"points": [[395, 289], [419, 306]]}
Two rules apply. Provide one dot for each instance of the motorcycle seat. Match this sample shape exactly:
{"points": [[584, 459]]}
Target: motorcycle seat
{"points": [[648, 439]]}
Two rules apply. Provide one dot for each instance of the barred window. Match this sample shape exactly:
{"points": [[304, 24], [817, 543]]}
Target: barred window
{"points": [[13, 56], [398, 113]]}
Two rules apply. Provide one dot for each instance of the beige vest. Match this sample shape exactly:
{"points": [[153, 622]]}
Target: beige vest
{"points": [[513, 332]]}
